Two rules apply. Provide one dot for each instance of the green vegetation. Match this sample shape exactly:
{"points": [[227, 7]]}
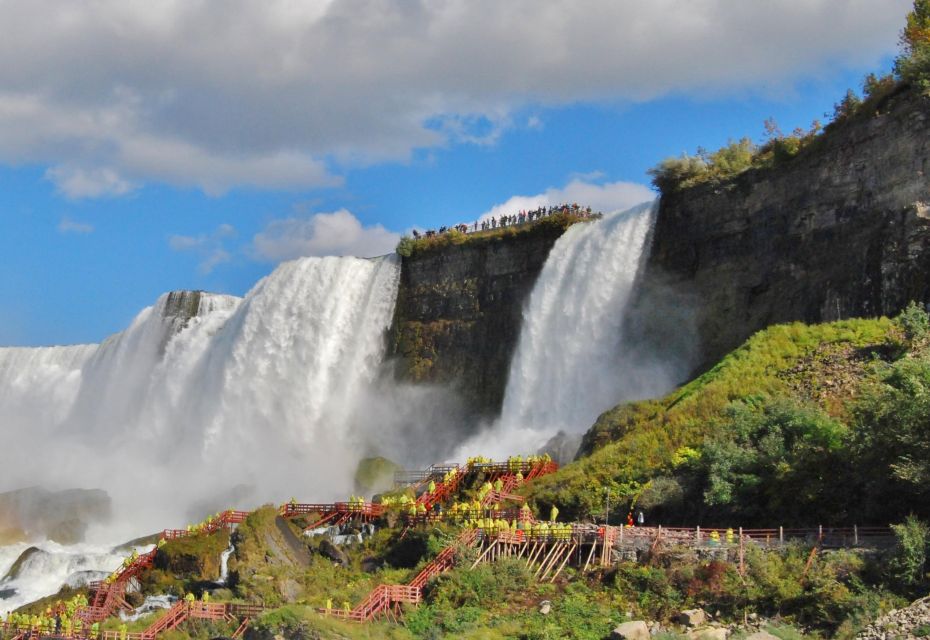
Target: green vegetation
{"points": [[913, 65], [556, 224], [912, 68], [909, 563], [502, 600], [785, 380], [801, 425]]}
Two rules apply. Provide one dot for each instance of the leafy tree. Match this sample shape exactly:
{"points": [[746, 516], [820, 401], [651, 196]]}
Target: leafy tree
{"points": [[771, 461], [405, 246], [914, 62], [847, 107], [890, 442], [734, 158], [914, 322], [675, 173], [909, 562]]}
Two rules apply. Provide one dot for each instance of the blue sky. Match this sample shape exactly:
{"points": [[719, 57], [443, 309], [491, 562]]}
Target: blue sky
{"points": [[132, 164]]}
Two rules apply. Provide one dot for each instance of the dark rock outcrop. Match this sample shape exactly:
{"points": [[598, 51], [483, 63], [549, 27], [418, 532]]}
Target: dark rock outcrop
{"points": [[839, 231], [459, 311]]}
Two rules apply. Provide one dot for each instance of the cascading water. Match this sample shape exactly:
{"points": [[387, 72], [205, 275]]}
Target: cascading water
{"points": [[224, 564], [38, 386], [260, 391], [41, 571], [570, 363], [200, 395]]}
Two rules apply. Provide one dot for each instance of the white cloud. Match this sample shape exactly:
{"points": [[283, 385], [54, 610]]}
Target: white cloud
{"points": [[76, 182], [323, 234], [208, 247], [605, 197], [217, 94], [67, 225]]}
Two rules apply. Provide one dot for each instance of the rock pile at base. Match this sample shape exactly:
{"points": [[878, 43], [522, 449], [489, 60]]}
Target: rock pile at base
{"points": [[908, 623]]}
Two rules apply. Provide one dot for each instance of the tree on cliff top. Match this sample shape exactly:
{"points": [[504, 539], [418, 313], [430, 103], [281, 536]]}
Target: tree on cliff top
{"points": [[914, 62]]}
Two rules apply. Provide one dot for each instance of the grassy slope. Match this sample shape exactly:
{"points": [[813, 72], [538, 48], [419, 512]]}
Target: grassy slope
{"points": [[635, 442]]}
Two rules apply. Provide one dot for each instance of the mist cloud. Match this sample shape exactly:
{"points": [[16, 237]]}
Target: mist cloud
{"points": [[217, 95]]}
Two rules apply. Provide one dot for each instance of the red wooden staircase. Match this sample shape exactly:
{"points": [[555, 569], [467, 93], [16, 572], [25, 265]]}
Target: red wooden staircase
{"points": [[385, 599], [110, 596]]}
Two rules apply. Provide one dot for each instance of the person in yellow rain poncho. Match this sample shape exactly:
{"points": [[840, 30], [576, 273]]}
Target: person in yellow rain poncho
{"points": [[553, 513]]}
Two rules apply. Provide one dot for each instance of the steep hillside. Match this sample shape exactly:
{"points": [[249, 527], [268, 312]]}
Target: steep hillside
{"points": [[801, 425]]}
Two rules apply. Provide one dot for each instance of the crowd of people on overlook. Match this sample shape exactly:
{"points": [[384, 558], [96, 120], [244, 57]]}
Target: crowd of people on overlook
{"points": [[519, 218], [58, 620]]}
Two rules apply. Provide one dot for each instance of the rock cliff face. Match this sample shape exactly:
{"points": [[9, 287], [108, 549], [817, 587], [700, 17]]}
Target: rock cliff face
{"points": [[840, 231], [459, 311]]}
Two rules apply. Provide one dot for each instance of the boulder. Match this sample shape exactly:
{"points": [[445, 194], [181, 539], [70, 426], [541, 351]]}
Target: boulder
{"points": [[709, 633], [633, 630], [290, 589], [692, 617], [334, 553], [545, 607], [761, 635]]}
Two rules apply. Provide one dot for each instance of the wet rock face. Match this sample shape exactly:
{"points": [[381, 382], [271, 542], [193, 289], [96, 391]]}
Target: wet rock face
{"points": [[842, 230], [459, 311]]}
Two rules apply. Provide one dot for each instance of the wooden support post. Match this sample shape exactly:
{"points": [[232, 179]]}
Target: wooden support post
{"points": [[590, 555], [820, 532], [562, 566], [486, 551], [697, 534], [546, 560], [742, 565], [856, 535], [781, 535], [537, 551], [550, 562]]}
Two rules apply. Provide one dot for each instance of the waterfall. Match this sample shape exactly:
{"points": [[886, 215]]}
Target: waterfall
{"points": [[570, 362], [203, 392], [41, 570], [224, 564]]}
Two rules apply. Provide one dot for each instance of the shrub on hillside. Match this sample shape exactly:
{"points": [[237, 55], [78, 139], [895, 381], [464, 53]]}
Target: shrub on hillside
{"points": [[908, 565], [914, 322]]}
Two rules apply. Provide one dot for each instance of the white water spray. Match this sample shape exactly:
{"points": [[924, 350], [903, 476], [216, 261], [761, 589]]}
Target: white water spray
{"points": [[49, 566], [570, 364], [261, 392]]}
